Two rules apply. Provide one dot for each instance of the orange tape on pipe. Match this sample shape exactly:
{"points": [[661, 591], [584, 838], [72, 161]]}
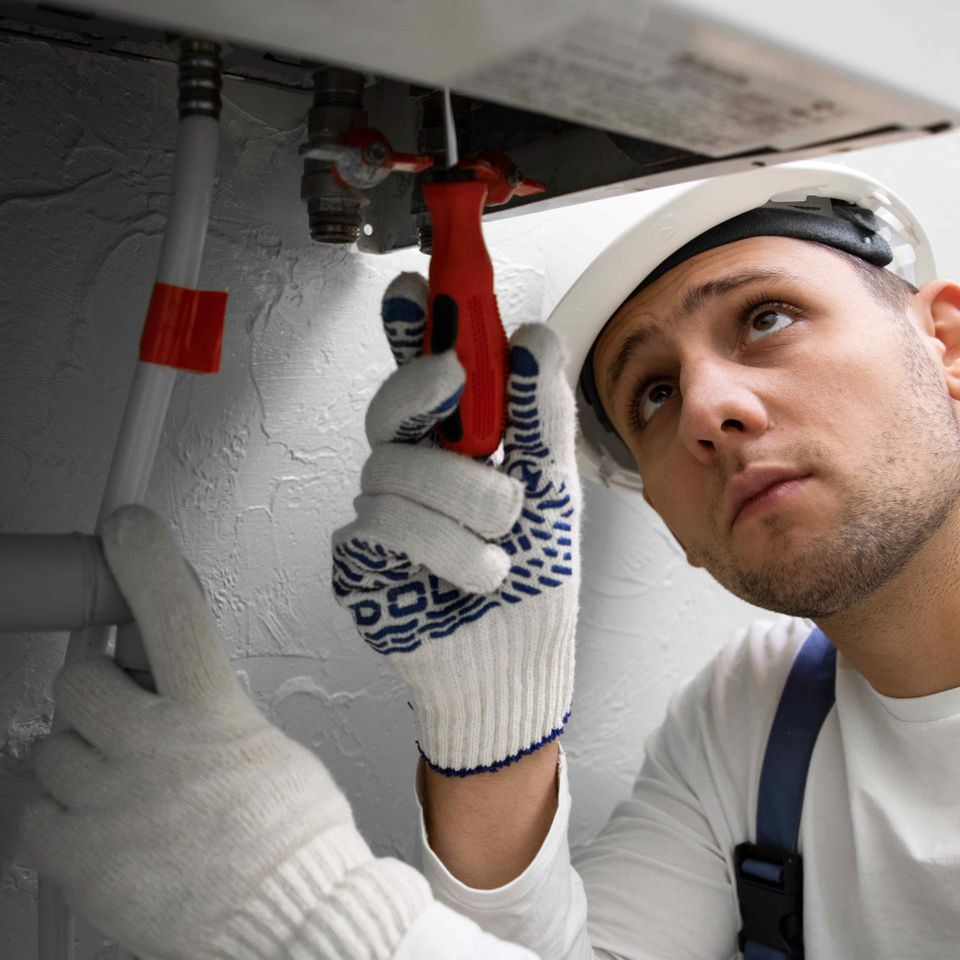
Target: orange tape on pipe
{"points": [[184, 328]]}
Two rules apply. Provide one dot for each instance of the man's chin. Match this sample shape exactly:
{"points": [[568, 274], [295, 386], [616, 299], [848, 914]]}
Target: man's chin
{"points": [[783, 573], [792, 537]]}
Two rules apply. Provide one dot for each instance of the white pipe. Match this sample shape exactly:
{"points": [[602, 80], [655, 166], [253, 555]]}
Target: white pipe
{"points": [[180, 258], [139, 437], [194, 170], [136, 448], [56, 582]]}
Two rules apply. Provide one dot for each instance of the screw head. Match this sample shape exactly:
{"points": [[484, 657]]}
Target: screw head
{"points": [[375, 153]]}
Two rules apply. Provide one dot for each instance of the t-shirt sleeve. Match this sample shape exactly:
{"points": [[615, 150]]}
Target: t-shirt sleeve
{"points": [[440, 933], [657, 882], [544, 908]]}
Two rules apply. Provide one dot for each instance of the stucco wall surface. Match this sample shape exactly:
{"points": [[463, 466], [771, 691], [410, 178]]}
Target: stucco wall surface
{"points": [[259, 463]]}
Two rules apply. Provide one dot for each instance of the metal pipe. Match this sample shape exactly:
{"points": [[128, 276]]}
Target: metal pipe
{"points": [[56, 582], [149, 398], [334, 209]]}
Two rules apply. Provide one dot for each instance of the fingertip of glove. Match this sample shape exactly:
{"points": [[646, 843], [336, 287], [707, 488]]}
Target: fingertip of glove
{"points": [[82, 688], [414, 397], [129, 526], [490, 576], [444, 365], [49, 754], [536, 349], [84, 678], [409, 288], [131, 514]]}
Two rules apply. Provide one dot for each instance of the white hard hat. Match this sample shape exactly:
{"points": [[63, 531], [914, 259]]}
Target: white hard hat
{"points": [[685, 216]]}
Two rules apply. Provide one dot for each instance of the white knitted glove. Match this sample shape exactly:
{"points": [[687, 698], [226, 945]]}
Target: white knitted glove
{"points": [[184, 824], [467, 574]]}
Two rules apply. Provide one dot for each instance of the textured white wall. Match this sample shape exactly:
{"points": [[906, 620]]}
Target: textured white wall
{"points": [[260, 463]]}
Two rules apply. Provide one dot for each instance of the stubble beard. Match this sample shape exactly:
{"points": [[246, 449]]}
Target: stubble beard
{"points": [[901, 497]]}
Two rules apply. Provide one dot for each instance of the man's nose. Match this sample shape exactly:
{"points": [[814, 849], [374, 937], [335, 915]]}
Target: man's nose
{"points": [[721, 409]]}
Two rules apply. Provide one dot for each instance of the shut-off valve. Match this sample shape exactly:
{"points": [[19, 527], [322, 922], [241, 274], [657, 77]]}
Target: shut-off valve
{"points": [[345, 159]]}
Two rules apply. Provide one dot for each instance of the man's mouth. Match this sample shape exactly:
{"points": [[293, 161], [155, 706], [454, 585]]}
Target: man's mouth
{"points": [[760, 488]]}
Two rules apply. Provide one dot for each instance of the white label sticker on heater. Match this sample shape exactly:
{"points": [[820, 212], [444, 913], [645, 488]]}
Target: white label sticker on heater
{"points": [[683, 81]]}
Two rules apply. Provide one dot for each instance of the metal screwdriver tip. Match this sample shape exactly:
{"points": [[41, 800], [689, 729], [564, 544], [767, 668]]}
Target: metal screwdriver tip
{"points": [[453, 156]]}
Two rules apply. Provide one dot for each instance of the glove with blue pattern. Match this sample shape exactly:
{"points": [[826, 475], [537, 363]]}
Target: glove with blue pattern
{"points": [[465, 573]]}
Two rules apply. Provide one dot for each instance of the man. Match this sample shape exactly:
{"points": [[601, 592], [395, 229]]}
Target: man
{"points": [[791, 412], [790, 409]]}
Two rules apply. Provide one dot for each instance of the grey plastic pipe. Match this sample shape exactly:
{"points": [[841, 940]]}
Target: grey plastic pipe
{"points": [[136, 448], [57, 582]]}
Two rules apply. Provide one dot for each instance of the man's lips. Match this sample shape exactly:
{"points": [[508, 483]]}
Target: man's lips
{"points": [[753, 483]]}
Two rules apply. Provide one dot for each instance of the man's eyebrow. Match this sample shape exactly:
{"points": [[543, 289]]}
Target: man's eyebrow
{"points": [[711, 289], [694, 299], [626, 351]]}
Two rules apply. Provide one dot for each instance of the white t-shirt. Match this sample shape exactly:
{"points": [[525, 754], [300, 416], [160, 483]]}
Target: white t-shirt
{"points": [[880, 834]]}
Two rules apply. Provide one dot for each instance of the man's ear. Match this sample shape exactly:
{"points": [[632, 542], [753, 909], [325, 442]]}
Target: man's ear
{"points": [[940, 301], [690, 560]]}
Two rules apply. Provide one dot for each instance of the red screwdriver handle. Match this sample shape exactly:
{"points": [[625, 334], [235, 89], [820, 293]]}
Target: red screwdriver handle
{"points": [[462, 312]]}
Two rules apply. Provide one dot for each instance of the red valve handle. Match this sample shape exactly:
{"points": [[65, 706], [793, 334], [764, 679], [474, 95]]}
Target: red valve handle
{"points": [[408, 162], [462, 312], [502, 176], [367, 140]]}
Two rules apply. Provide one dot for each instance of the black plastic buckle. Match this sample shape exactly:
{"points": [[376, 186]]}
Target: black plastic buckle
{"points": [[770, 891]]}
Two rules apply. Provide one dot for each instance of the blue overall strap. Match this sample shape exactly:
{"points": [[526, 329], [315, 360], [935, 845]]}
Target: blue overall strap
{"points": [[770, 872]]}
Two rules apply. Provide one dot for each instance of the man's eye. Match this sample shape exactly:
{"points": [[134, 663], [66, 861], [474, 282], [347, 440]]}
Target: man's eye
{"points": [[769, 319], [648, 399]]}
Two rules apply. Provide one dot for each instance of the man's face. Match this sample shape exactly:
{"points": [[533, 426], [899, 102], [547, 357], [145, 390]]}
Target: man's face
{"points": [[795, 437]]}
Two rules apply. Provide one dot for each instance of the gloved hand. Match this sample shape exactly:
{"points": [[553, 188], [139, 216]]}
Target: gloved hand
{"points": [[184, 824], [466, 575]]}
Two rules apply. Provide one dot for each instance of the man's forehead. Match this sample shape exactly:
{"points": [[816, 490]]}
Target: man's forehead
{"points": [[689, 284]]}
